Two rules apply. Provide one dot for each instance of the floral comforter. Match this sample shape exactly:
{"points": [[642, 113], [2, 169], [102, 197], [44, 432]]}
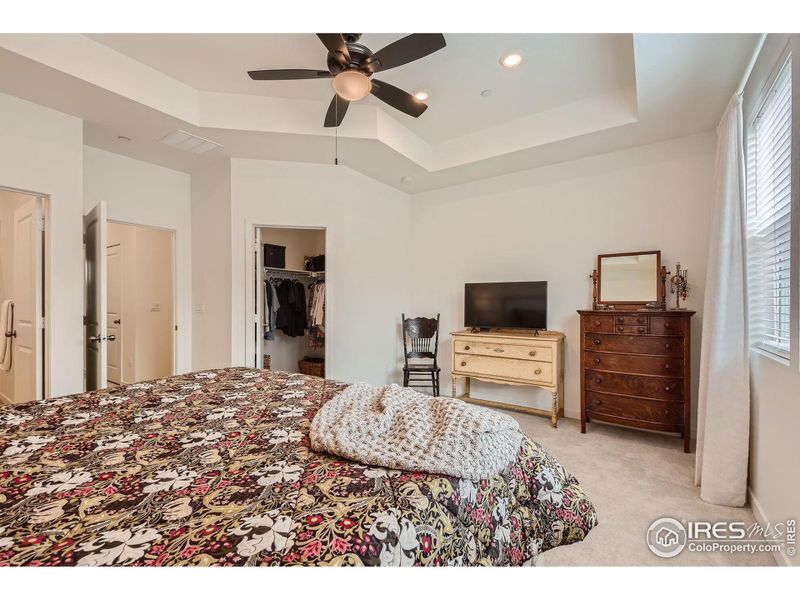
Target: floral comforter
{"points": [[214, 468]]}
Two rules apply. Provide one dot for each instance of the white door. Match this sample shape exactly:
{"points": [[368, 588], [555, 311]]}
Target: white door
{"points": [[95, 237], [114, 313], [27, 345]]}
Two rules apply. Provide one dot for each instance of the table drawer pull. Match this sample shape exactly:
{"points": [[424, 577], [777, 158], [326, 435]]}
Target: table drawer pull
{"points": [[538, 372], [532, 353], [466, 347], [596, 342], [463, 363]]}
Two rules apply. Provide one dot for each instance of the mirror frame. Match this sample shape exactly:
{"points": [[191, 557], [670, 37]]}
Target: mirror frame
{"points": [[630, 303]]}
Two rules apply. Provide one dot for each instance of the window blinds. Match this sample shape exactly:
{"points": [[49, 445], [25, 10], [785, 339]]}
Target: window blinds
{"points": [[769, 179]]}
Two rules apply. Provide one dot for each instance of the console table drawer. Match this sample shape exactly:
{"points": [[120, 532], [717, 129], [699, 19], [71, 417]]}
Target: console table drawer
{"points": [[635, 385], [653, 411], [512, 368], [634, 344], [537, 353], [632, 363]]}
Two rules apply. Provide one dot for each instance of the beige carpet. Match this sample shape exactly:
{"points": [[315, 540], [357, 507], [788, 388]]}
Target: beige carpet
{"points": [[633, 478]]}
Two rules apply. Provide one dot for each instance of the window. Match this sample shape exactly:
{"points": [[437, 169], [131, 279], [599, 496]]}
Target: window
{"points": [[769, 176]]}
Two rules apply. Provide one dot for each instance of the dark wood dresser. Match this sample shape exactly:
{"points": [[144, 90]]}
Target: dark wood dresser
{"points": [[635, 369]]}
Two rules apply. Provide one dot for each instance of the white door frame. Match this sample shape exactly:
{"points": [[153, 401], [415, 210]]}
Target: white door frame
{"points": [[253, 348], [174, 235], [44, 209]]}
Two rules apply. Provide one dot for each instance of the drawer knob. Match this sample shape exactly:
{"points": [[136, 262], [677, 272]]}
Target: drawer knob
{"points": [[597, 323], [641, 329], [598, 380], [466, 347], [667, 367], [667, 325], [597, 361], [499, 350], [640, 319], [538, 372], [620, 320], [667, 346], [666, 412], [598, 402], [666, 388], [596, 342], [532, 353], [620, 328], [463, 363]]}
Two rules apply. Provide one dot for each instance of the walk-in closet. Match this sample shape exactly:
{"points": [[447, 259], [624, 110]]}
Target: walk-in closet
{"points": [[290, 316]]}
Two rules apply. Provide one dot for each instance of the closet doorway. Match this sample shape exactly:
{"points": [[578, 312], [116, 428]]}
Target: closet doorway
{"points": [[290, 299], [23, 340]]}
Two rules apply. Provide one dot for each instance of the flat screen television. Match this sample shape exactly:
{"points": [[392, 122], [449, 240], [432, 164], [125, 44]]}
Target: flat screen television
{"points": [[517, 304]]}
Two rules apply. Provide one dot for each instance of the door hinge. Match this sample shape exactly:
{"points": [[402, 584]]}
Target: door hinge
{"points": [[43, 322], [176, 328]]}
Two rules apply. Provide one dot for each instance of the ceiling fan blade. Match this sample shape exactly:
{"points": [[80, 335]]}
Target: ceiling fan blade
{"points": [[287, 74], [405, 50], [336, 113], [335, 43], [397, 98]]}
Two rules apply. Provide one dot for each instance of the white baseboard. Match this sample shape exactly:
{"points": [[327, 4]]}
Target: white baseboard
{"points": [[758, 513]]}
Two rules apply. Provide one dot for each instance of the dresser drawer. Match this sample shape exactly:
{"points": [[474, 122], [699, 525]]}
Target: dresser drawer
{"points": [[601, 323], [532, 352], [634, 344], [632, 329], [666, 325], [512, 368], [652, 411], [665, 388], [640, 320], [631, 363]]}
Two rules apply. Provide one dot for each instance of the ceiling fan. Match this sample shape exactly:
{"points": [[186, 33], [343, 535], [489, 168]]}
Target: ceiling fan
{"points": [[351, 65]]}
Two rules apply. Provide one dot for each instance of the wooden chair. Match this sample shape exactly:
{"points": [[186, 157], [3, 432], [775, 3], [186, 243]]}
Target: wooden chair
{"points": [[421, 342]]}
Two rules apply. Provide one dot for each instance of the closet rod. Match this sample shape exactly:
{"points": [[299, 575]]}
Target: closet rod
{"points": [[296, 273]]}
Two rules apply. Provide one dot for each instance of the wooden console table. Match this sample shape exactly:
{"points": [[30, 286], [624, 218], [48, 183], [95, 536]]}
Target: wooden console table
{"points": [[511, 357]]}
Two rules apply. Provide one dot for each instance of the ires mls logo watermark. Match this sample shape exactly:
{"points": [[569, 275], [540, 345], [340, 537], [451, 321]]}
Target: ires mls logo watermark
{"points": [[668, 537]]}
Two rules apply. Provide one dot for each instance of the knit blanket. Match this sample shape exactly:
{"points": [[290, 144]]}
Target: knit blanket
{"points": [[400, 428]]}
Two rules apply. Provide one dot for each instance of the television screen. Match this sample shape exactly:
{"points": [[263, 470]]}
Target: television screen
{"points": [[520, 304]]}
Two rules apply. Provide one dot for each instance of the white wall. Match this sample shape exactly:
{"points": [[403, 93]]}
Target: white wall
{"points": [[41, 150], [367, 258], [144, 194], [550, 224], [211, 275], [285, 351]]}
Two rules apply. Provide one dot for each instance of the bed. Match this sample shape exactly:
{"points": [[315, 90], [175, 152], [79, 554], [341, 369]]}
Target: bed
{"points": [[214, 468]]}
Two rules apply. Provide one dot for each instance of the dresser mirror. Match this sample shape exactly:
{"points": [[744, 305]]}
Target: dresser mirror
{"points": [[628, 277]]}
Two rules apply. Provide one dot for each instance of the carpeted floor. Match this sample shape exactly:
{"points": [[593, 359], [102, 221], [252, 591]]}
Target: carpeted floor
{"points": [[633, 478]]}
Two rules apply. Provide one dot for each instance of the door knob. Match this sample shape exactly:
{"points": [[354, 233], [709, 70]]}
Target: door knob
{"points": [[111, 338], [11, 334], [95, 338]]}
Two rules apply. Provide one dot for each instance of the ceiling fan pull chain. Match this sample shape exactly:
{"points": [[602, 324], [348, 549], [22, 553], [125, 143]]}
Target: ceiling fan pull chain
{"points": [[336, 135]]}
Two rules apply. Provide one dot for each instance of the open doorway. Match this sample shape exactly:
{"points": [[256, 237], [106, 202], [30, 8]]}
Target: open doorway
{"points": [[22, 293], [130, 301], [290, 299]]}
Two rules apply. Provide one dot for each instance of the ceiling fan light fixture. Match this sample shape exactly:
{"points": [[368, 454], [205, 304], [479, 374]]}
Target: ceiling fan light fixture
{"points": [[352, 85]]}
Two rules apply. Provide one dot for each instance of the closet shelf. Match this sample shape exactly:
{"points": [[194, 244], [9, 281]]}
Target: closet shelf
{"points": [[294, 272]]}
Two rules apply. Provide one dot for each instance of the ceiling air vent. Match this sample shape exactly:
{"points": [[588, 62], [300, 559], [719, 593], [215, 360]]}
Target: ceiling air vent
{"points": [[189, 142]]}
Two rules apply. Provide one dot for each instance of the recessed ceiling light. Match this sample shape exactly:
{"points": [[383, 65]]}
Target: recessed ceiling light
{"points": [[406, 179], [511, 60], [422, 95], [123, 138], [486, 93]]}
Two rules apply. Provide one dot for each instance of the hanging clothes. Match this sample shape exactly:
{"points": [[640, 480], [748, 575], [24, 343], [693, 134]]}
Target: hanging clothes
{"points": [[271, 306], [316, 315], [290, 318]]}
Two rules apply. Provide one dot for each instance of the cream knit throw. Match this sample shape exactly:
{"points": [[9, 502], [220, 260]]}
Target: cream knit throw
{"points": [[399, 428]]}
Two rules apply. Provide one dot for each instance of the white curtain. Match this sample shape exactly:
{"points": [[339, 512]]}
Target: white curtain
{"points": [[723, 422]]}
